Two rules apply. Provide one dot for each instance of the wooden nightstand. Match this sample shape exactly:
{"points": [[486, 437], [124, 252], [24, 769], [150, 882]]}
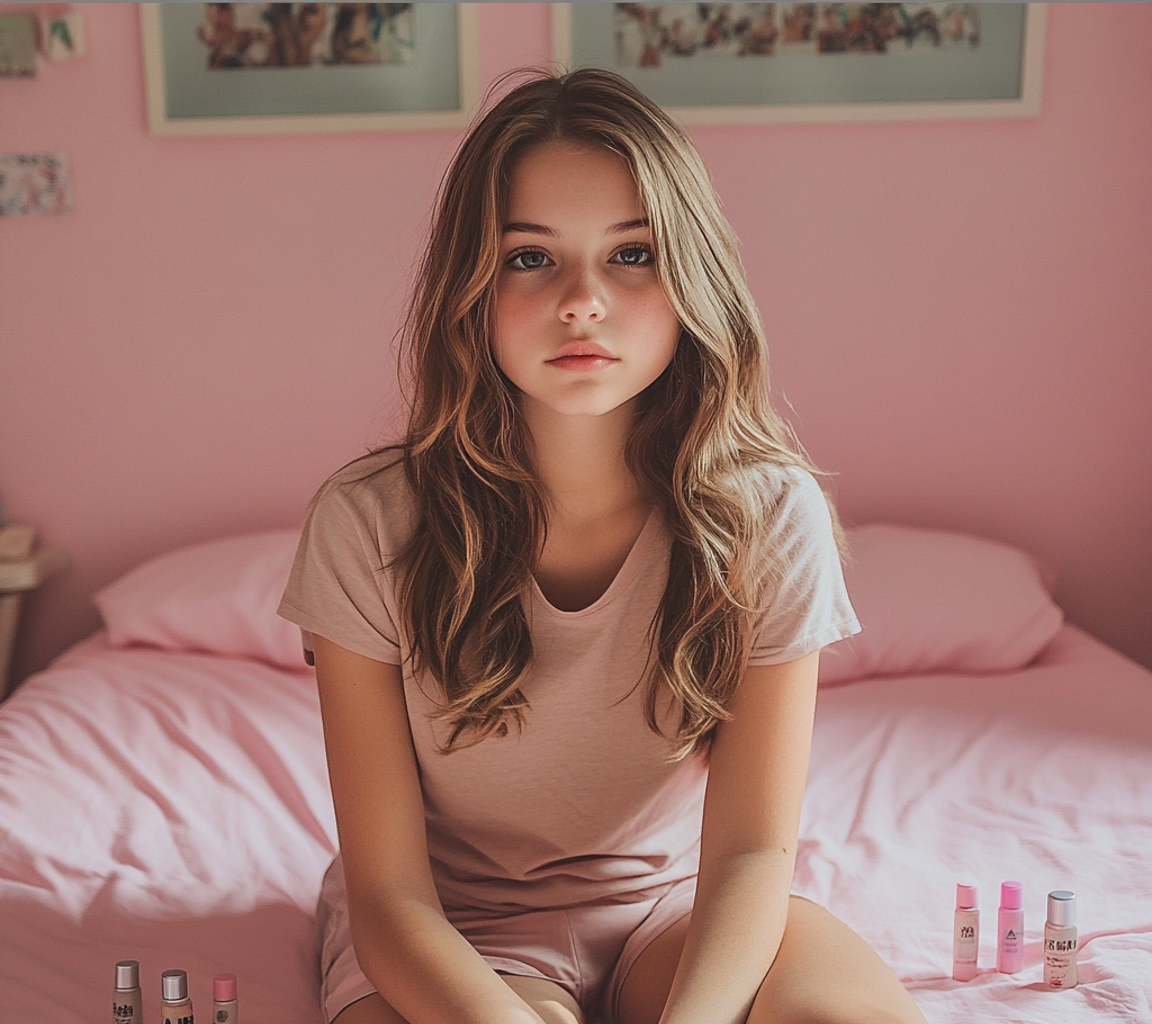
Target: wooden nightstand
{"points": [[21, 570]]}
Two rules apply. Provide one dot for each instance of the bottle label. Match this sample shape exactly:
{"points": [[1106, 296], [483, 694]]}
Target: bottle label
{"points": [[123, 1013], [1060, 962]]}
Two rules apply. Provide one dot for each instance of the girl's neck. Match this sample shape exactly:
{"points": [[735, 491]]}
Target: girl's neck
{"points": [[580, 462]]}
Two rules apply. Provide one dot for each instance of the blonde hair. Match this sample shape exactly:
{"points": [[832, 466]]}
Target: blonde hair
{"points": [[703, 431]]}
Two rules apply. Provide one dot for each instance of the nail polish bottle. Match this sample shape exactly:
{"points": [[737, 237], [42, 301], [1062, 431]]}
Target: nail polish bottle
{"points": [[127, 1003], [1060, 940], [224, 1006], [1010, 929], [175, 1007], [965, 933]]}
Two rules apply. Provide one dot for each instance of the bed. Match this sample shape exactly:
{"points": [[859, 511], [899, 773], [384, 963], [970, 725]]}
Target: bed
{"points": [[163, 794]]}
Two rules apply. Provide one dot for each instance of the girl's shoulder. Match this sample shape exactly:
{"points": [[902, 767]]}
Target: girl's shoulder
{"points": [[793, 517], [785, 489], [371, 495]]}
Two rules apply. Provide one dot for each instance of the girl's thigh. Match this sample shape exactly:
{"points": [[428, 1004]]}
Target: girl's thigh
{"points": [[824, 973], [552, 1002]]}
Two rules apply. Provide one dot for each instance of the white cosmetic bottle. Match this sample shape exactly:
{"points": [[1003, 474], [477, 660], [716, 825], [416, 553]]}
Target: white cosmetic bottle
{"points": [[175, 1007], [127, 1002], [965, 933], [1060, 940], [224, 1006]]}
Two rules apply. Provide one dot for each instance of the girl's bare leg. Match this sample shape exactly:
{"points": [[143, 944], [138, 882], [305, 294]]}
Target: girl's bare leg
{"points": [[824, 974], [553, 1003]]}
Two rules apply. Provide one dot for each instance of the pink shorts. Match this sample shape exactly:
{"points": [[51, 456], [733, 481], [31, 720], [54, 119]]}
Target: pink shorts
{"points": [[587, 949]]}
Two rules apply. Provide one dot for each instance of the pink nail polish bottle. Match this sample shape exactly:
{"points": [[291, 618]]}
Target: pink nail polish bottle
{"points": [[1010, 929], [965, 933], [224, 1005]]}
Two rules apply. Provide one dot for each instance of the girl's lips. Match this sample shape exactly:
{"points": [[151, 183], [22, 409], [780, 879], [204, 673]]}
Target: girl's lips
{"points": [[581, 363], [581, 356]]}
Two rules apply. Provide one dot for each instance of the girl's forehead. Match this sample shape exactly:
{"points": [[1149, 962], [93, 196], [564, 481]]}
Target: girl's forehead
{"points": [[561, 174]]}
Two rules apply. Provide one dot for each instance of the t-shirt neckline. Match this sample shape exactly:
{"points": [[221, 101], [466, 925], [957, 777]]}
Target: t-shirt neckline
{"points": [[623, 578]]}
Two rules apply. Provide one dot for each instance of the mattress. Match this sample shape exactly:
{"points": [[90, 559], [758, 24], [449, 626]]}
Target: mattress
{"points": [[170, 805]]}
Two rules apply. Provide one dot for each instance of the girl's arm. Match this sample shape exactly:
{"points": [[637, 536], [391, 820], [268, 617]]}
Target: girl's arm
{"points": [[756, 777], [419, 963]]}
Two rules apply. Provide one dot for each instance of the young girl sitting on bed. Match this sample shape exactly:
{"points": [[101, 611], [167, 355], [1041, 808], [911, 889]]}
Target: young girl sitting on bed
{"points": [[566, 633]]}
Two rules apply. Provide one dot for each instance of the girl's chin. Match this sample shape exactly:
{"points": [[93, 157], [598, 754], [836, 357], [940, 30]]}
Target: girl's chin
{"points": [[584, 408]]}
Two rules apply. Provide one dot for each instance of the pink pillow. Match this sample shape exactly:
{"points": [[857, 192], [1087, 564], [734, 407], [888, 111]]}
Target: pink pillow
{"points": [[219, 597], [935, 601]]}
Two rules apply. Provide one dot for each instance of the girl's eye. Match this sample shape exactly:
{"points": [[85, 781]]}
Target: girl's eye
{"points": [[634, 256], [528, 259]]}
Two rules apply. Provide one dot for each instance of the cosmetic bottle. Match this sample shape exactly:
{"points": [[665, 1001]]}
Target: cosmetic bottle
{"points": [[176, 1007], [1010, 929], [224, 1006], [1060, 940], [127, 1003], [965, 933]]}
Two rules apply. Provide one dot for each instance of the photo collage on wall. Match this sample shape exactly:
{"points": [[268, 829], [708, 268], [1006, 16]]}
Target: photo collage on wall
{"points": [[252, 35], [652, 35]]}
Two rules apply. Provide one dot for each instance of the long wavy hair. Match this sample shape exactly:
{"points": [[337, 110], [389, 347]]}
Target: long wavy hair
{"points": [[702, 433]]}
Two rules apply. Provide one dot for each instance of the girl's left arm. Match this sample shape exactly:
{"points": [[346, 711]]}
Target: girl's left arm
{"points": [[756, 777]]}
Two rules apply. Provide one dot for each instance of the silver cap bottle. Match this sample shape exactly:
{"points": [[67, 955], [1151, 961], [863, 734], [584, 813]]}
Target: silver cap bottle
{"points": [[174, 986], [1062, 909], [127, 975]]}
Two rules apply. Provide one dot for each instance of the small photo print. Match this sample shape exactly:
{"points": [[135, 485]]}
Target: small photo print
{"points": [[62, 37], [248, 35], [17, 46], [650, 35], [798, 26], [884, 28], [34, 183]]}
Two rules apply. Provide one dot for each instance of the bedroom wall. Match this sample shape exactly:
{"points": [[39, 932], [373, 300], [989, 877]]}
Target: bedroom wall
{"points": [[960, 313]]}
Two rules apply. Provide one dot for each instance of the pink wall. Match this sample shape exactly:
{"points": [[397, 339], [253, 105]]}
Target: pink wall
{"points": [[961, 313]]}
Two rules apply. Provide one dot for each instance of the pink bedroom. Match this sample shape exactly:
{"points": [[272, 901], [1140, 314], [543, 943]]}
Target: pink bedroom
{"points": [[959, 317]]}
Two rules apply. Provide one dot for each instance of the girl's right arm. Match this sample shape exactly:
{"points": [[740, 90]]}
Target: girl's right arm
{"points": [[421, 965]]}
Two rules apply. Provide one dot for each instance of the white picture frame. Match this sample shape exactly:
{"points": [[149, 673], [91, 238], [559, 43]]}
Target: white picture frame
{"points": [[174, 72], [570, 50]]}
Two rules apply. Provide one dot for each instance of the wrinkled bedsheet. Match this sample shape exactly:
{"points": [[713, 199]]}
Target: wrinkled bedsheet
{"points": [[173, 808]]}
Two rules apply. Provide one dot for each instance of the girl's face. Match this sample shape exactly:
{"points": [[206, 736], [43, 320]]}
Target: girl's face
{"points": [[582, 322]]}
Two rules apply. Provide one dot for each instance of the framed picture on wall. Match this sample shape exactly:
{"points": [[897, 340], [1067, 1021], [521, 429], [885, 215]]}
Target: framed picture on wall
{"points": [[244, 68], [746, 63]]}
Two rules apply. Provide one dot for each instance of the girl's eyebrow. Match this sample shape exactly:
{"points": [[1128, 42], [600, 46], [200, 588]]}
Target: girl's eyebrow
{"points": [[528, 228]]}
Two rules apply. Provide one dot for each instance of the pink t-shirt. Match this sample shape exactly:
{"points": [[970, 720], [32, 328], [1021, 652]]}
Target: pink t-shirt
{"points": [[579, 806]]}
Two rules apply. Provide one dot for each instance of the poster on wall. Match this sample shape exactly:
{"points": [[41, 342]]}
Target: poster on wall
{"points": [[732, 63], [241, 68]]}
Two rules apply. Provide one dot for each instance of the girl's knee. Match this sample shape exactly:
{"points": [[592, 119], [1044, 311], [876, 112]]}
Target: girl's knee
{"points": [[858, 1013], [835, 1011]]}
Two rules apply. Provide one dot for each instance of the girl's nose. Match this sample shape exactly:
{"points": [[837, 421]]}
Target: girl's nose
{"points": [[583, 299]]}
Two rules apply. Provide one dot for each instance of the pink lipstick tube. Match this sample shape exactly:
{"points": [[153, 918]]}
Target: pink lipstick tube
{"points": [[1010, 929]]}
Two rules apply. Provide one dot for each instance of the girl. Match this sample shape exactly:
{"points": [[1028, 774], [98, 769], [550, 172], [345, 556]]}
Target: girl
{"points": [[566, 633]]}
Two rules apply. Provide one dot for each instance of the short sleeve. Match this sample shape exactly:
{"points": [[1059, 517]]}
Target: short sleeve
{"points": [[805, 603], [339, 587]]}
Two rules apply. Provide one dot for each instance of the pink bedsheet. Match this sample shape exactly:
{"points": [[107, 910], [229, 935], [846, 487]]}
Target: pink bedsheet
{"points": [[165, 807], [1043, 776], [173, 808]]}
